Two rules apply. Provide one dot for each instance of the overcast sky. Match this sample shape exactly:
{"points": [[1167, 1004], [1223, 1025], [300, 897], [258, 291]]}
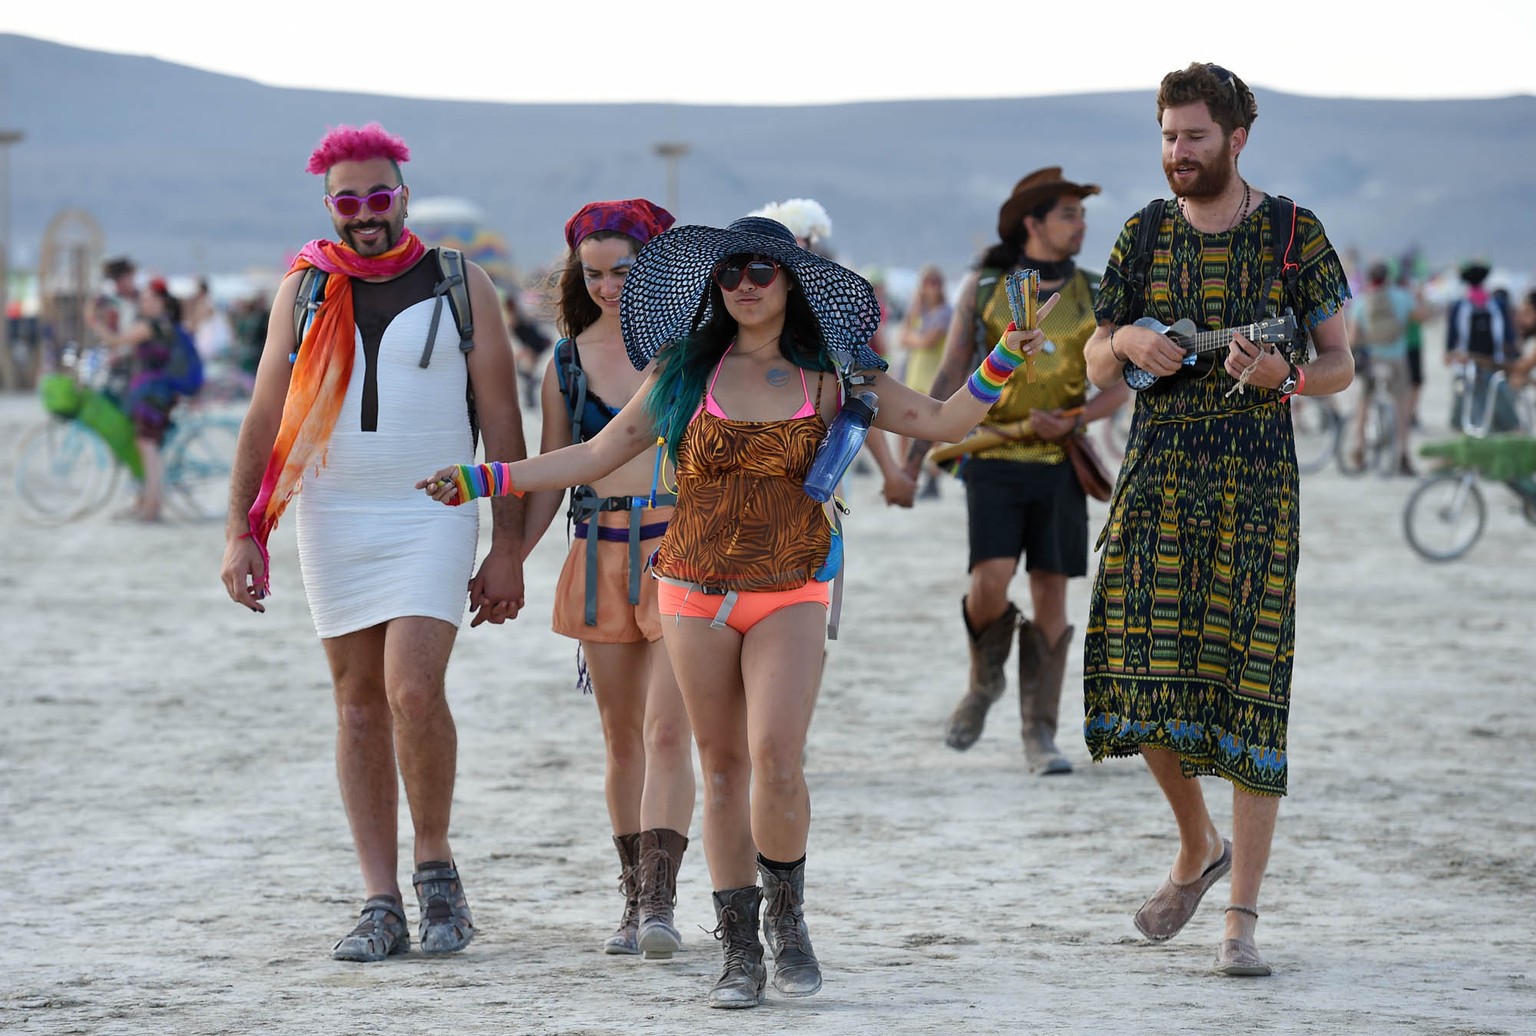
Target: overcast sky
{"points": [[798, 52]]}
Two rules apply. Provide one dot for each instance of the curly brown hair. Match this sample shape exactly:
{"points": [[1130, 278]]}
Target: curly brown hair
{"points": [[1226, 97]]}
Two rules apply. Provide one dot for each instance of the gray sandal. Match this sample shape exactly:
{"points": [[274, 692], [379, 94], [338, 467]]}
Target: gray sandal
{"points": [[446, 924], [381, 932], [1240, 957]]}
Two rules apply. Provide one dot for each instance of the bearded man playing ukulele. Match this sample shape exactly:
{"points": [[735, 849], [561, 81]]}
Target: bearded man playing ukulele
{"points": [[1191, 625]]}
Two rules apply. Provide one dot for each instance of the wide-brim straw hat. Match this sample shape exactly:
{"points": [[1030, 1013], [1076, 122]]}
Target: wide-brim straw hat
{"points": [[667, 296]]}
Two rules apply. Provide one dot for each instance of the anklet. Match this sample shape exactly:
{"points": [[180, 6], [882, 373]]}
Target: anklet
{"points": [[1243, 910]]}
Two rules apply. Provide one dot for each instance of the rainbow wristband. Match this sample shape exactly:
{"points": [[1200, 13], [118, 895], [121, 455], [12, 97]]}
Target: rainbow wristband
{"points": [[987, 381], [476, 480]]}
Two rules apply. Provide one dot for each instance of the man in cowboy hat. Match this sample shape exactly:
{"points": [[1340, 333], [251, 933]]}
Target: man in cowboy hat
{"points": [[1022, 496]]}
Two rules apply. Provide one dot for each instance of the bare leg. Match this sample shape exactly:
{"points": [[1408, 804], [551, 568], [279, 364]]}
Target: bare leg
{"points": [[1404, 416], [781, 671], [365, 755], [618, 681], [669, 785], [1048, 594], [416, 654], [988, 597], [1253, 832], [708, 667], [154, 480], [1199, 842]]}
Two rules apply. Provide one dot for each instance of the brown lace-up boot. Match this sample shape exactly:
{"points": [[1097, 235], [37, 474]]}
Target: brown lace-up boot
{"points": [[661, 854], [1041, 669], [989, 653], [796, 972], [741, 982], [623, 939]]}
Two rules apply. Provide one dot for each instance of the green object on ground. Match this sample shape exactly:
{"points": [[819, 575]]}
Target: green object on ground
{"points": [[1507, 457]]}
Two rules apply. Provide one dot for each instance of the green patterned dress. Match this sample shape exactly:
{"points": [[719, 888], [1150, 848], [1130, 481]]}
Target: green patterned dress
{"points": [[1191, 623]]}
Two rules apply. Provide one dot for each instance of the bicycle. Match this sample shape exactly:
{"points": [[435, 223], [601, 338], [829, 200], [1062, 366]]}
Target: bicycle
{"points": [[1376, 449], [1318, 429], [1446, 515], [69, 465]]}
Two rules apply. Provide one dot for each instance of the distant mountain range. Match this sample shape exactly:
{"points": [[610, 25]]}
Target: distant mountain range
{"points": [[193, 172]]}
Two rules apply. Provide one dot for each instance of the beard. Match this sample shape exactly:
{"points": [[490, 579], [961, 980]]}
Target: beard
{"points": [[392, 230], [1211, 178]]}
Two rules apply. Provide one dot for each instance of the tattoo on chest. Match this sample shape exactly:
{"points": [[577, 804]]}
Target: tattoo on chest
{"points": [[777, 376]]}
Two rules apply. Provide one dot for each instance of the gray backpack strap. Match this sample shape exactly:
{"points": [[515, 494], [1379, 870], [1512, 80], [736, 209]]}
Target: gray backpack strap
{"points": [[306, 303], [835, 607], [452, 286]]}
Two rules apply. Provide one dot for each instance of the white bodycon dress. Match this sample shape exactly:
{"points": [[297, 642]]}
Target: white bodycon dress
{"points": [[371, 546]]}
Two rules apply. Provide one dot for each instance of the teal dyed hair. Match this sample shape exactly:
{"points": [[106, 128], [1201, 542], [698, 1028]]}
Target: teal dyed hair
{"points": [[685, 366]]}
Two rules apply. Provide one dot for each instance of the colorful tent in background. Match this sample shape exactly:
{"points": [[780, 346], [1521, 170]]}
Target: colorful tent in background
{"points": [[457, 223]]}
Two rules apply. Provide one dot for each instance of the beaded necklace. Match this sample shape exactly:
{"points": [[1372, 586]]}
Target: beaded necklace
{"points": [[1242, 210]]}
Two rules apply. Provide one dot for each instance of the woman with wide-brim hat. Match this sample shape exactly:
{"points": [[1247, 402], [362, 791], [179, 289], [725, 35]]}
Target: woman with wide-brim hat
{"points": [[754, 338]]}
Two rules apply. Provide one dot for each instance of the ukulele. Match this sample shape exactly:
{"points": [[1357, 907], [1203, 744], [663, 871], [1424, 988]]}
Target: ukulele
{"points": [[1273, 331]]}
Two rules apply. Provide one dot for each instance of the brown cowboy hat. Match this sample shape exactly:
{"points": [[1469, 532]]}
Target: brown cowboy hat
{"points": [[1040, 185]]}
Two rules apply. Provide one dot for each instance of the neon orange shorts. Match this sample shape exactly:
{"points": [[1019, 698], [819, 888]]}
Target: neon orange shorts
{"points": [[751, 607]]}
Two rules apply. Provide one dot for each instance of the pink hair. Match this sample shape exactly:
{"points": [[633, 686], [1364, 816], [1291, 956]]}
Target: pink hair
{"points": [[351, 144]]}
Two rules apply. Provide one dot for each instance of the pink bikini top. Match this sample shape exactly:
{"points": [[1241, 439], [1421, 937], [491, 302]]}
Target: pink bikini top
{"points": [[713, 408]]}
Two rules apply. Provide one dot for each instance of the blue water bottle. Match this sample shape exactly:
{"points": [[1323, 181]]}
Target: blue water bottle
{"points": [[841, 445]]}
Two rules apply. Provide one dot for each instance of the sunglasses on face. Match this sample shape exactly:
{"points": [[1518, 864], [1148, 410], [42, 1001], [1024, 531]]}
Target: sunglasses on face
{"points": [[349, 205], [760, 272]]}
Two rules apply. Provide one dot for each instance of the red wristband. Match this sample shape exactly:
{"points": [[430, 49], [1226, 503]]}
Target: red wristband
{"points": [[1301, 383]]}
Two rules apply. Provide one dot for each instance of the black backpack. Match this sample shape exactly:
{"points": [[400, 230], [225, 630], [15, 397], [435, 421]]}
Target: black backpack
{"points": [[1136, 265], [452, 285]]}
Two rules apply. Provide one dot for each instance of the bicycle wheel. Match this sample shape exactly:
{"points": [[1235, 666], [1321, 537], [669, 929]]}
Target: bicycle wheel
{"points": [[198, 460], [1445, 515], [1316, 426], [1373, 450], [63, 471]]}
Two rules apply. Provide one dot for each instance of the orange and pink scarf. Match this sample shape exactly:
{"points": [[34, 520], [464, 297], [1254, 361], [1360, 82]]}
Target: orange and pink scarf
{"points": [[321, 372]]}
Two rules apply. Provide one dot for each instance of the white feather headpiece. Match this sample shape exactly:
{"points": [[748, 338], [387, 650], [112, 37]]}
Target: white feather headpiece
{"points": [[805, 217]]}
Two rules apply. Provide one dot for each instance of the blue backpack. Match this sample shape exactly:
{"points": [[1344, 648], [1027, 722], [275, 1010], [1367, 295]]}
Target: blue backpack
{"points": [[184, 373]]}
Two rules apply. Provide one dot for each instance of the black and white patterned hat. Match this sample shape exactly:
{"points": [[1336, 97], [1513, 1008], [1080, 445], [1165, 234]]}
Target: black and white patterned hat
{"points": [[666, 296]]}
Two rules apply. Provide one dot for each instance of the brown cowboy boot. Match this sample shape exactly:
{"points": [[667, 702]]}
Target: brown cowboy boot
{"points": [[1041, 669], [989, 653], [661, 854], [623, 939]]}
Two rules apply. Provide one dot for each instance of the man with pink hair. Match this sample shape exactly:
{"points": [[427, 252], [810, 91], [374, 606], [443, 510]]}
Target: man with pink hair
{"points": [[370, 389]]}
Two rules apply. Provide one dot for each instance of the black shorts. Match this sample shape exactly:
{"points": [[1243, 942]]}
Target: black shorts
{"points": [[1415, 368], [1035, 510]]}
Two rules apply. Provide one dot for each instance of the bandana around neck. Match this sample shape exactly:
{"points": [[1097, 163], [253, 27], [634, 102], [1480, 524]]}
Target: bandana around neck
{"points": [[318, 383]]}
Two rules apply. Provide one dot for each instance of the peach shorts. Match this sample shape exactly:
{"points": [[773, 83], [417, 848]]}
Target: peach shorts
{"points": [[618, 621], [748, 609]]}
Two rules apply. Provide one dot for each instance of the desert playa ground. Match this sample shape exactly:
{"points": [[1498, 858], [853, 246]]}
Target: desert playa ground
{"points": [[176, 860]]}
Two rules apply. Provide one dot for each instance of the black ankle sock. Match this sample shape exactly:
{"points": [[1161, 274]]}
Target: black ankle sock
{"points": [[776, 866]]}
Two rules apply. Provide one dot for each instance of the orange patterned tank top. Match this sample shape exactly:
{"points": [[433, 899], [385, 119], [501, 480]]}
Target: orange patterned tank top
{"points": [[743, 519]]}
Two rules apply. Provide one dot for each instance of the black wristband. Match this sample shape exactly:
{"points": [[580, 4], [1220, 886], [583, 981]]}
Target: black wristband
{"points": [[1112, 352]]}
